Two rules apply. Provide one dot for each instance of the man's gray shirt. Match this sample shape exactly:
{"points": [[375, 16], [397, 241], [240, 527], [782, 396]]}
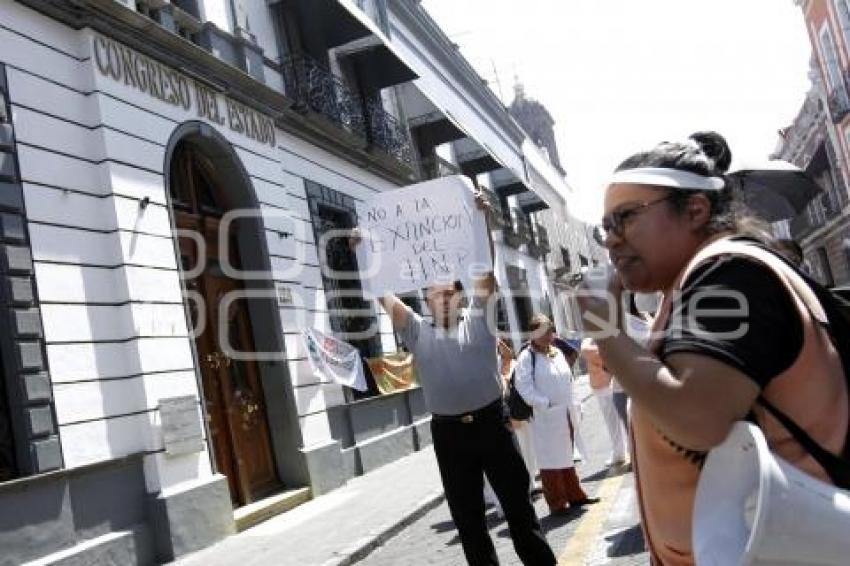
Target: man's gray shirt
{"points": [[458, 370]]}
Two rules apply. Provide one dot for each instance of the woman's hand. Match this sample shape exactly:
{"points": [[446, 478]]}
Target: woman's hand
{"points": [[599, 297]]}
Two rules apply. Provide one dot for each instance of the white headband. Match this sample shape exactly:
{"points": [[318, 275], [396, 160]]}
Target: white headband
{"points": [[664, 177]]}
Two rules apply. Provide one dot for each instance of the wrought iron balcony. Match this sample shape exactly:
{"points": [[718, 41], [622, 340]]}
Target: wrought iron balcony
{"points": [[434, 167], [316, 89], [387, 133], [517, 228], [540, 245], [839, 103], [831, 207]]}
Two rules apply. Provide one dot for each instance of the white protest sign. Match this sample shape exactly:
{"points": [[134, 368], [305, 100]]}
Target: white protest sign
{"points": [[425, 233]]}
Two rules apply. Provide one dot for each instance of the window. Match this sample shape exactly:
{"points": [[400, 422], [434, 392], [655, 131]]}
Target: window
{"points": [[815, 213], [194, 186], [842, 9], [839, 188], [825, 269], [524, 311], [830, 60], [350, 314], [502, 322], [565, 257]]}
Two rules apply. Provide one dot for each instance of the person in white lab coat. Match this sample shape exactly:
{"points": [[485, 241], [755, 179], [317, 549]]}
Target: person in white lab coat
{"points": [[545, 383]]}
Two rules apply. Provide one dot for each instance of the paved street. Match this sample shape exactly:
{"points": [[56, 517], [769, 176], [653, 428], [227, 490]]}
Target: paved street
{"points": [[401, 506], [607, 533]]}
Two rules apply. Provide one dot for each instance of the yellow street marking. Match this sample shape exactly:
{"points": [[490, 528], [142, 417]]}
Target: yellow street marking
{"points": [[590, 525]]}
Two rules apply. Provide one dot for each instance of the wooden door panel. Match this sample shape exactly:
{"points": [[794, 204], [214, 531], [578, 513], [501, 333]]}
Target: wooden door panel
{"points": [[253, 422], [232, 391], [241, 392]]}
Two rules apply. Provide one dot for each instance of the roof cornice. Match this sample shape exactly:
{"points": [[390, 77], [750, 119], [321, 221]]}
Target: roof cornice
{"points": [[142, 34], [419, 21]]}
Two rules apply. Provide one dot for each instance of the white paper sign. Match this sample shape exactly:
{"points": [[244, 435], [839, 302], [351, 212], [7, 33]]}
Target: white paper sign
{"points": [[425, 233]]}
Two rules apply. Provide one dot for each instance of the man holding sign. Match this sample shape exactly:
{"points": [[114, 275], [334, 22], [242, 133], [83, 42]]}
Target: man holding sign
{"points": [[455, 356]]}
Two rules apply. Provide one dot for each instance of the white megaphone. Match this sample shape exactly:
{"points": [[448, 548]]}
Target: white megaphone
{"points": [[753, 508]]}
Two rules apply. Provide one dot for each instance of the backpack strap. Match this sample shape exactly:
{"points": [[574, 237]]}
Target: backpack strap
{"points": [[527, 346], [821, 309], [836, 467], [533, 365]]}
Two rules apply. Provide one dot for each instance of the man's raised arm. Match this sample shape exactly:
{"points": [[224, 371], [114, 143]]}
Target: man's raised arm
{"points": [[398, 311], [485, 284]]}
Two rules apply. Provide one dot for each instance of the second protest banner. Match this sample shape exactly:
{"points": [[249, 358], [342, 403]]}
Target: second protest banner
{"points": [[425, 233]]}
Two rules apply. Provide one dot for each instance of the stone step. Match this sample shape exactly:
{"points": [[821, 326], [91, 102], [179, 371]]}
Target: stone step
{"points": [[259, 511]]}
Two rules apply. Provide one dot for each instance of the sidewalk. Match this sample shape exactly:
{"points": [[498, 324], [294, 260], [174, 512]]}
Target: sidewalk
{"points": [[604, 534], [348, 524], [338, 528]]}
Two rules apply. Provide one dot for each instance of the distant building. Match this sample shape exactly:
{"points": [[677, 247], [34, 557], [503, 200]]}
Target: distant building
{"points": [[572, 246], [819, 142], [537, 123]]}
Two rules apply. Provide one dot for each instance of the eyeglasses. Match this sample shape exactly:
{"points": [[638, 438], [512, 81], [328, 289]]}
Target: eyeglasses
{"points": [[615, 223]]}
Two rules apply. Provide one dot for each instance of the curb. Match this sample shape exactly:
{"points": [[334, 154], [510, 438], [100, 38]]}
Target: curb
{"points": [[380, 535]]}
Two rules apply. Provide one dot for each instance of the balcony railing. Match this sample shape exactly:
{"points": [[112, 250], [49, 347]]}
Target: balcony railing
{"points": [[386, 132], [540, 245], [315, 88], [839, 103], [434, 167], [517, 228], [831, 208]]}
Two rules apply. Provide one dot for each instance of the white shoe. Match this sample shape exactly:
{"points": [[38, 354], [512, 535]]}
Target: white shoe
{"points": [[615, 461]]}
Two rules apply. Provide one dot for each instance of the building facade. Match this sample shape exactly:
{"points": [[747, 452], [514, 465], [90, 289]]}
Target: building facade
{"points": [[819, 142], [174, 177], [571, 242]]}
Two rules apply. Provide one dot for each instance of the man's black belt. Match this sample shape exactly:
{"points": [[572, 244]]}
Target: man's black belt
{"points": [[493, 409]]}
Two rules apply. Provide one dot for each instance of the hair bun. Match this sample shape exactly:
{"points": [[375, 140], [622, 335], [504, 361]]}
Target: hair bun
{"points": [[715, 148]]}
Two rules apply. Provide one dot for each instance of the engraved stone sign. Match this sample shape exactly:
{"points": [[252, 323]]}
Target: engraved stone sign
{"points": [[284, 294], [181, 425]]}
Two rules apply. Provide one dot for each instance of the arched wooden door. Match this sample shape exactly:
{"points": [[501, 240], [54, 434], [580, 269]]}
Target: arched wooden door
{"points": [[232, 390]]}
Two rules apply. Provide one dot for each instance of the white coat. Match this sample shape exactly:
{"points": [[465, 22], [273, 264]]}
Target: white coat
{"points": [[550, 392], [522, 431]]}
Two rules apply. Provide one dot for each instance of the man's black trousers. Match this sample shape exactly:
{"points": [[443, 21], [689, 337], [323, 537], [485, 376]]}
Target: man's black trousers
{"points": [[468, 447]]}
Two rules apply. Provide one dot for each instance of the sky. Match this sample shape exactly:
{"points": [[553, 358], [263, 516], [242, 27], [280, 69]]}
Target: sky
{"points": [[619, 76]]}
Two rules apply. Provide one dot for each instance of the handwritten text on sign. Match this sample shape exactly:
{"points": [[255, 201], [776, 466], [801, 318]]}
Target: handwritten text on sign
{"points": [[421, 234]]}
